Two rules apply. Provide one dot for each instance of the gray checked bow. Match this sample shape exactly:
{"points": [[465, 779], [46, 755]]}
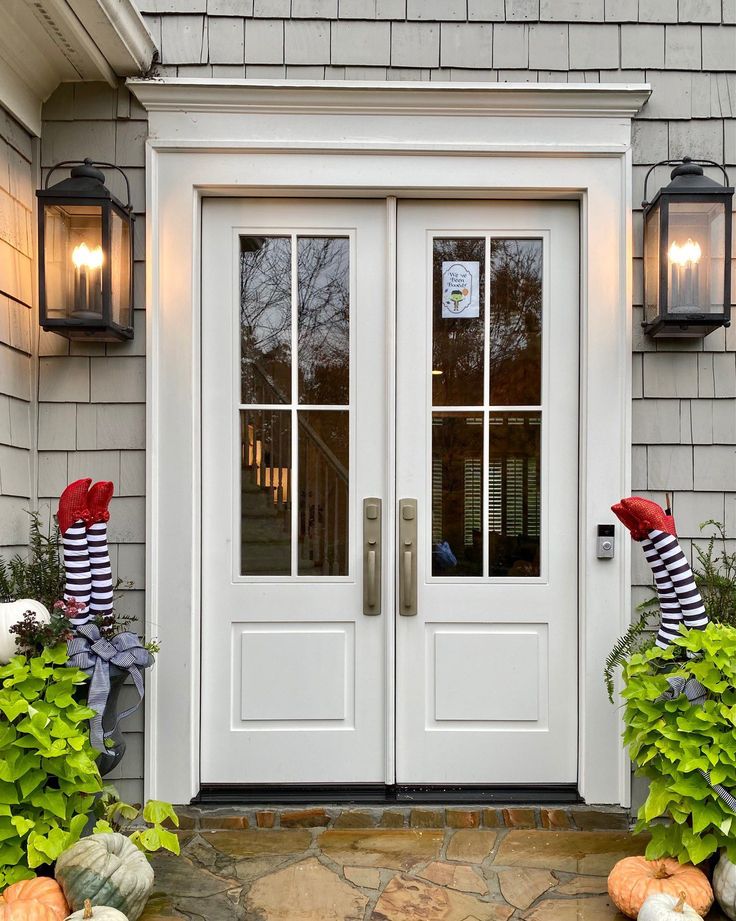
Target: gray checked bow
{"points": [[697, 695], [94, 654]]}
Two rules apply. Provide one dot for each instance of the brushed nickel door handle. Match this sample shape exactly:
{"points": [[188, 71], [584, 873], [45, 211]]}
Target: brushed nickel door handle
{"points": [[372, 556], [408, 557]]}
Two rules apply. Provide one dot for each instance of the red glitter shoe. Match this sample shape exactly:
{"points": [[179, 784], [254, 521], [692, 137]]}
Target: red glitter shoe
{"points": [[651, 517], [98, 500], [73, 504], [629, 521]]}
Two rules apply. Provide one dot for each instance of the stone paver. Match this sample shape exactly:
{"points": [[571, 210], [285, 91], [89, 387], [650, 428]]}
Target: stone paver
{"points": [[591, 853], [257, 842], [471, 846], [455, 876], [390, 874], [367, 877], [598, 908], [521, 886], [397, 849], [406, 899], [584, 885], [306, 891]]}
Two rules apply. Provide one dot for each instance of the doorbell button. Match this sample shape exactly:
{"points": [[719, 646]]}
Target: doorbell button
{"points": [[605, 542]]}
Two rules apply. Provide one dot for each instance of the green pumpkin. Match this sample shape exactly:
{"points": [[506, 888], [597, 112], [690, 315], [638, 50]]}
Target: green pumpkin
{"points": [[108, 870]]}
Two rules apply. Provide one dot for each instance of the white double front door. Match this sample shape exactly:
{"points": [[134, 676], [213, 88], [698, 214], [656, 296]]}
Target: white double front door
{"points": [[390, 492]]}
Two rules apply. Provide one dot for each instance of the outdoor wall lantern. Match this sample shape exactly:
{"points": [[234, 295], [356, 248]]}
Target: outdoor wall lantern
{"points": [[687, 252], [85, 256]]}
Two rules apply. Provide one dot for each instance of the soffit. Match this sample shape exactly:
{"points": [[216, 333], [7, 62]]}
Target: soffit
{"points": [[47, 42]]}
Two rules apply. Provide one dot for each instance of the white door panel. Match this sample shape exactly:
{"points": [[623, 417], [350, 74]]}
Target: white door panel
{"points": [[293, 672], [487, 442], [296, 361]]}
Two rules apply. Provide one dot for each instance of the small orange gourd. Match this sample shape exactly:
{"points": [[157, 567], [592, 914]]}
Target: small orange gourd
{"points": [[39, 899], [634, 879]]}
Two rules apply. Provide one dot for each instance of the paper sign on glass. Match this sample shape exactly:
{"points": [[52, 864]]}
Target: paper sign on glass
{"points": [[460, 289]]}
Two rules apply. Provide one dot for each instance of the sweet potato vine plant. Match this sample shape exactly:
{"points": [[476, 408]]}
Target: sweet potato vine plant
{"points": [[672, 740]]}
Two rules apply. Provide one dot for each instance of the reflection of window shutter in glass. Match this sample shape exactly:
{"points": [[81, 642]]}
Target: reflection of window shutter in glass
{"points": [[473, 499], [436, 500], [533, 497], [514, 496], [495, 496]]}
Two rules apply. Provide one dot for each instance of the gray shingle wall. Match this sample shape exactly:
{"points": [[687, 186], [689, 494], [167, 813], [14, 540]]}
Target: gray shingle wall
{"points": [[17, 185], [91, 396]]}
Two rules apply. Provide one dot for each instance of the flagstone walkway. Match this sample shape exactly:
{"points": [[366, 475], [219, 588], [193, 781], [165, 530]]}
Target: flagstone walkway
{"points": [[390, 874]]}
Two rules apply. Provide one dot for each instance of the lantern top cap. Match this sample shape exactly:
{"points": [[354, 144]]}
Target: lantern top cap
{"points": [[689, 177], [88, 170], [85, 181]]}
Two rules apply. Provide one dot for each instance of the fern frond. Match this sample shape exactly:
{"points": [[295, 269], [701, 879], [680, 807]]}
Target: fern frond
{"points": [[622, 648]]}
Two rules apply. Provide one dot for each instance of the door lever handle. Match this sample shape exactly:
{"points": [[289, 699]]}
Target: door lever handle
{"points": [[408, 557], [371, 556]]}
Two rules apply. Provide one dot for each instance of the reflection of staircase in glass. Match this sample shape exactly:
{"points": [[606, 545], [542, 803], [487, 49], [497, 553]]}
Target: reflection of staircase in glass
{"points": [[267, 489]]}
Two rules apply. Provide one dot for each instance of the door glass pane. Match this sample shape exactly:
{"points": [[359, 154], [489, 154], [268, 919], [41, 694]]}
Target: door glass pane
{"points": [[323, 273], [458, 279], [515, 348], [265, 319], [514, 493], [457, 494], [265, 492], [324, 442]]}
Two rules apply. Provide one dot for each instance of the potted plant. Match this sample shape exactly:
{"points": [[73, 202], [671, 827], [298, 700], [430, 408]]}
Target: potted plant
{"points": [[680, 724]]}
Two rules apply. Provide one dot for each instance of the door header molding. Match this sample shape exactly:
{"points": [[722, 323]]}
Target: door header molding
{"points": [[343, 97]]}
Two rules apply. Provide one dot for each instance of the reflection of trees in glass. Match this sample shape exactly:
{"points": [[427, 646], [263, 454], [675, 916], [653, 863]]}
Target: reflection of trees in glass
{"points": [[516, 322], [324, 319], [457, 351], [265, 319]]}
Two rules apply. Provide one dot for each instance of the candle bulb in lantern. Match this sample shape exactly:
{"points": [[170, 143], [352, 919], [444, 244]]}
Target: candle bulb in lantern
{"points": [[87, 281], [684, 278]]}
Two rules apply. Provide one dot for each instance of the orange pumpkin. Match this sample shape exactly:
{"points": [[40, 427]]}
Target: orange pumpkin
{"points": [[633, 879], [39, 899]]}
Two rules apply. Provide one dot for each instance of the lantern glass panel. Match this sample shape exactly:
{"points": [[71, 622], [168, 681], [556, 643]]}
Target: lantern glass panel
{"points": [[73, 258], [695, 257], [651, 265], [120, 263]]}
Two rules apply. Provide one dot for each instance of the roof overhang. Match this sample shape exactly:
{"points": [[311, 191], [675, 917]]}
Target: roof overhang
{"points": [[47, 42]]}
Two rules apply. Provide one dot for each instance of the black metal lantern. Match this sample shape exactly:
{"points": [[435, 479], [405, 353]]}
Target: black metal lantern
{"points": [[85, 239], [687, 253]]}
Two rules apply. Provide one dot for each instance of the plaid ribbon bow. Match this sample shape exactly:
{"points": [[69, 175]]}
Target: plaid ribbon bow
{"points": [[697, 694], [94, 654]]}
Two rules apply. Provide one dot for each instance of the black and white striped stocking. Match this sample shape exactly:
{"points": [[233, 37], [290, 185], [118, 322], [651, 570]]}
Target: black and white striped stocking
{"points": [[683, 581], [99, 558], [668, 604], [78, 584]]}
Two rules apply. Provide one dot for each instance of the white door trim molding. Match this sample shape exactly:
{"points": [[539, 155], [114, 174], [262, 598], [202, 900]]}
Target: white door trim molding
{"points": [[244, 138]]}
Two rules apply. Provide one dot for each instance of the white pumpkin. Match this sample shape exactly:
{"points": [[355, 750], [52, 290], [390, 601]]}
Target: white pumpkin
{"points": [[98, 913], [724, 886], [664, 907], [11, 613]]}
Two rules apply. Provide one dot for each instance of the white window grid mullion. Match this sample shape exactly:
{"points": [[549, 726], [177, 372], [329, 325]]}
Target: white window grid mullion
{"points": [[294, 415]]}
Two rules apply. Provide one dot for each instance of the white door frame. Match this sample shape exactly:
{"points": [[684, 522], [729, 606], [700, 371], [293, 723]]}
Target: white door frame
{"points": [[241, 137]]}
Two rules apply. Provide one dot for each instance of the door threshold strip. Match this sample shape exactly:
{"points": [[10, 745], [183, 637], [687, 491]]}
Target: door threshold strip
{"points": [[379, 794]]}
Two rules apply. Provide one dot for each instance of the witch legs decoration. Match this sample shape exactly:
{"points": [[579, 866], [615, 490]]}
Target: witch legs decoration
{"points": [[679, 599], [83, 515]]}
